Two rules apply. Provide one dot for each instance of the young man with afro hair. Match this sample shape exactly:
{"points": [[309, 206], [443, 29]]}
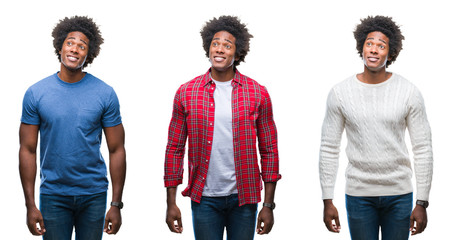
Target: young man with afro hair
{"points": [[375, 108], [223, 113], [69, 110]]}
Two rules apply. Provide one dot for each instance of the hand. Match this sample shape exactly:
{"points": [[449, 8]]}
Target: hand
{"points": [[113, 220], [266, 217], [34, 216], [329, 214], [419, 215], [173, 214]]}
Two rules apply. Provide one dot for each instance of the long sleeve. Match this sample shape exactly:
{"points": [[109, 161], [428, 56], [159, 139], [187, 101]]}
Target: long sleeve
{"points": [[175, 149], [421, 141], [268, 144], [332, 129]]}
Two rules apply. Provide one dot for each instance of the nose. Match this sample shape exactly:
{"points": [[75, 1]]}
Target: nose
{"points": [[373, 49], [74, 48], [219, 49]]}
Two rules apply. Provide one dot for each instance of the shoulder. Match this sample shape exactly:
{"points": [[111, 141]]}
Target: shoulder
{"points": [[41, 86], [45, 81], [93, 80], [99, 87], [343, 86], [346, 83], [249, 83], [194, 83], [405, 85], [400, 79]]}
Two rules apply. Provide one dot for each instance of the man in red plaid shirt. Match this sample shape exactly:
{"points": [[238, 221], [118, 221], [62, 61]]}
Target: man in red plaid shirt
{"points": [[222, 113]]}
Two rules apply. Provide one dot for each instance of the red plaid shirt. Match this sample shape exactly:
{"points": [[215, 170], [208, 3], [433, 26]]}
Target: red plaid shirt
{"points": [[193, 117]]}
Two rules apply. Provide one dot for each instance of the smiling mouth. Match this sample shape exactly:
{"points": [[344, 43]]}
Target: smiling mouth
{"points": [[372, 59], [219, 59], [72, 58]]}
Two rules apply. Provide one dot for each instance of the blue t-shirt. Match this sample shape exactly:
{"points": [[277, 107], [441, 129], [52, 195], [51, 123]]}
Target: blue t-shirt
{"points": [[70, 118]]}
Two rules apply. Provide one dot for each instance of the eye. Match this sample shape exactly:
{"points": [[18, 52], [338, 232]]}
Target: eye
{"points": [[368, 44], [382, 47], [214, 44], [69, 43], [82, 47], [228, 46]]}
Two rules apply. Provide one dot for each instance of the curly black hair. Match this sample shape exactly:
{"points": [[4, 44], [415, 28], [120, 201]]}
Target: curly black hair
{"points": [[384, 25], [81, 24], [232, 25]]}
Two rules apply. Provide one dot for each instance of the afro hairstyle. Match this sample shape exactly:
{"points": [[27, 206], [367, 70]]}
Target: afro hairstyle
{"points": [[384, 25], [81, 24], [232, 25]]}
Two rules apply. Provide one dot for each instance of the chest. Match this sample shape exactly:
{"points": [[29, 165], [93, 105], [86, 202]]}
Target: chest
{"points": [[375, 106], [71, 108], [242, 102]]}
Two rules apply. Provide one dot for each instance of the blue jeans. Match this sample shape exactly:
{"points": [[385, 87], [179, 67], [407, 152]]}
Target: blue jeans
{"points": [[62, 213], [367, 214], [213, 214]]}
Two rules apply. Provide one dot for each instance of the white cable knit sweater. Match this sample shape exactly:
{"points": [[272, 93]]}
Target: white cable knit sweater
{"points": [[375, 117]]}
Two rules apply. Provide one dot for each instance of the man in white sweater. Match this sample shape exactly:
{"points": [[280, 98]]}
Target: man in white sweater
{"points": [[376, 107]]}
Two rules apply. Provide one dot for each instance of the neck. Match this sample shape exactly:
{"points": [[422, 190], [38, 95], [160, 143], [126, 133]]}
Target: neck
{"points": [[374, 77], [222, 76], [70, 76]]}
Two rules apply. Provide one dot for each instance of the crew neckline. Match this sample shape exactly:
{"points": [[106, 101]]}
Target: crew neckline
{"points": [[371, 85], [67, 84], [221, 82]]}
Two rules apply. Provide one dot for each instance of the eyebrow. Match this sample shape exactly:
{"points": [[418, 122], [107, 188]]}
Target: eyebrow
{"points": [[80, 40], [378, 39], [224, 39]]}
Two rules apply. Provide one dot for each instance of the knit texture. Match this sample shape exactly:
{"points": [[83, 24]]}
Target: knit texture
{"points": [[375, 117]]}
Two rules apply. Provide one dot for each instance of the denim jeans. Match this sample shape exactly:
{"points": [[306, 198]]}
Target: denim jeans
{"points": [[213, 214], [62, 213], [367, 214]]}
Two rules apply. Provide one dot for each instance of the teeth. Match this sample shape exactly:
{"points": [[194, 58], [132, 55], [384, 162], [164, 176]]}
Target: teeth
{"points": [[219, 58], [72, 58]]}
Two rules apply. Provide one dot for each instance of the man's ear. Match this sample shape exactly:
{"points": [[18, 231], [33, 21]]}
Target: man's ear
{"points": [[236, 57]]}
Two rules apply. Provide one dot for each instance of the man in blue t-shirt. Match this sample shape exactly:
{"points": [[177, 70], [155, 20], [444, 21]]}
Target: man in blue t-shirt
{"points": [[69, 110]]}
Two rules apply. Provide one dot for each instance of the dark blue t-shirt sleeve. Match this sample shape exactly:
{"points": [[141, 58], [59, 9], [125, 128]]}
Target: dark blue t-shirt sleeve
{"points": [[112, 115], [29, 109]]}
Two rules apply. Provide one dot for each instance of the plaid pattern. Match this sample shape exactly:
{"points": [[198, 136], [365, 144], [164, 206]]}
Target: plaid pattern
{"points": [[193, 117]]}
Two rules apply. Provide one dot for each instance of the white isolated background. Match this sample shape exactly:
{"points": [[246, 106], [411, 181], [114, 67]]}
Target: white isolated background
{"points": [[299, 51]]}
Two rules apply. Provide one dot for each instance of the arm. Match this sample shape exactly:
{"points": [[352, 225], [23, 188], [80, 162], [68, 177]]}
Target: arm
{"points": [[420, 135], [333, 126], [174, 163], [115, 142], [268, 141], [266, 214], [268, 148], [28, 137]]}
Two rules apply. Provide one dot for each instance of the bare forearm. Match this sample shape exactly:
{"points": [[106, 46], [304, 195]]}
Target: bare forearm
{"points": [[115, 140], [118, 173], [265, 219], [171, 195], [270, 188], [28, 138], [27, 170]]}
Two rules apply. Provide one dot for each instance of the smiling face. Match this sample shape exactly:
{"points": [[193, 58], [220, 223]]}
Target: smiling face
{"points": [[222, 51], [74, 51], [376, 51]]}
